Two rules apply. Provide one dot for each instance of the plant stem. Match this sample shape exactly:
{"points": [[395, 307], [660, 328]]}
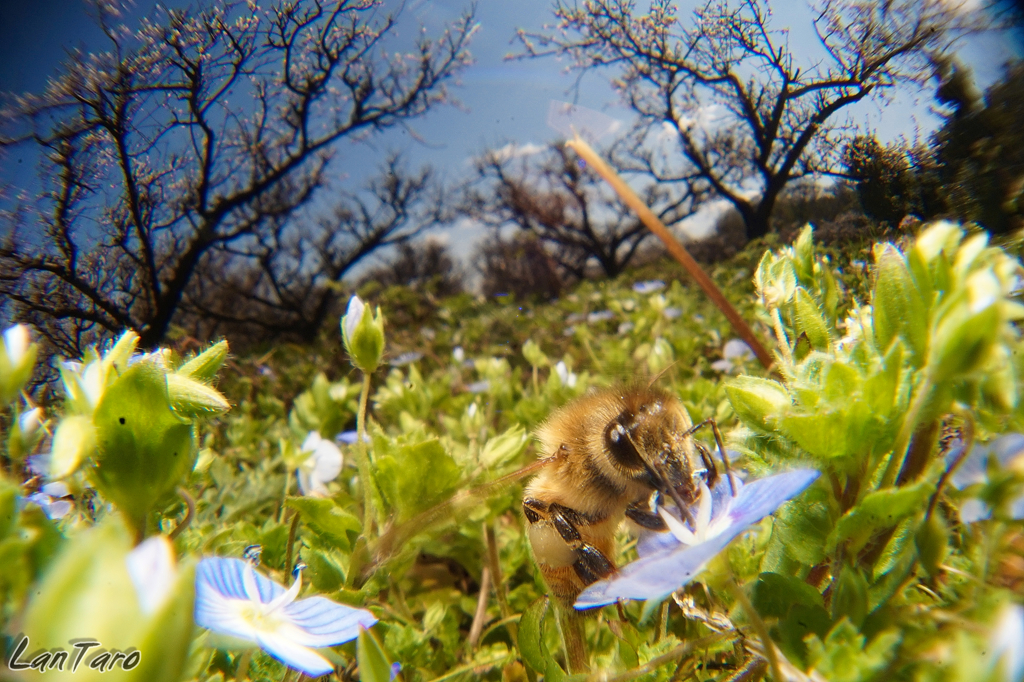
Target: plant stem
{"points": [[242, 672], [759, 626], [291, 540], [677, 250], [571, 625], [287, 484], [480, 615], [190, 513], [899, 451], [363, 456]]}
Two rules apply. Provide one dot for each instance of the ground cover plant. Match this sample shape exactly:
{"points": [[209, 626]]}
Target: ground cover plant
{"points": [[355, 512]]}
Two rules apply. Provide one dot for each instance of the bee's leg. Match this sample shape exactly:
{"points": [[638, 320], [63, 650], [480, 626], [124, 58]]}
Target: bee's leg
{"points": [[591, 564], [640, 514], [706, 456]]}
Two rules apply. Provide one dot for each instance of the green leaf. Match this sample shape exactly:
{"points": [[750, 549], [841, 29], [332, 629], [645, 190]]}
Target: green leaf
{"points": [[757, 401], [8, 506], [897, 308], [804, 527], [774, 594], [204, 367], [850, 598], [896, 549], [192, 398], [824, 434], [503, 448], [846, 656], [531, 642], [879, 509], [374, 665], [143, 449], [810, 321], [326, 517], [932, 542], [414, 477], [73, 443], [801, 621]]}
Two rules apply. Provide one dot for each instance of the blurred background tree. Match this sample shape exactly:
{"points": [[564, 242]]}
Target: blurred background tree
{"points": [[172, 168], [971, 170], [776, 114], [575, 217]]}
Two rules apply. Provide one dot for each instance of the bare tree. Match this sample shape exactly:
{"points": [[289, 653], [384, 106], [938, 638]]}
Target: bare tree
{"points": [[555, 197], [190, 144], [285, 281], [745, 117]]}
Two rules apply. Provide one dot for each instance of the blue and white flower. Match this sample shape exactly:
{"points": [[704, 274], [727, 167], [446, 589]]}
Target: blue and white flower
{"points": [[321, 464], [734, 353], [649, 287], [670, 560], [233, 599], [51, 498], [1007, 451]]}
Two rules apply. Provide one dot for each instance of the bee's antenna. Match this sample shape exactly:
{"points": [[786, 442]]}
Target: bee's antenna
{"points": [[657, 377], [721, 449]]}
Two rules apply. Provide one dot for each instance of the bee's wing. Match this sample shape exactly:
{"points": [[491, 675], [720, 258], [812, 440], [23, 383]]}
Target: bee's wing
{"points": [[397, 535]]}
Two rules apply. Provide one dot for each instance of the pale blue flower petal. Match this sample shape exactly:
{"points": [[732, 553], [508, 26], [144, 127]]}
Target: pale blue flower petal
{"points": [[655, 576], [326, 623], [294, 654], [225, 578], [648, 287], [763, 496], [152, 569], [286, 630], [659, 574]]}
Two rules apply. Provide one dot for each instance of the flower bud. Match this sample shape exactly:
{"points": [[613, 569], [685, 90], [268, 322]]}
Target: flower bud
{"points": [[758, 402], [73, 443], [932, 541], [204, 366], [534, 355], [363, 335], [25, 433], [17, 358]]}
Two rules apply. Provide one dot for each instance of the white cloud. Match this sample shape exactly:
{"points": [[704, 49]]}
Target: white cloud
{"points": [[513, 150]]}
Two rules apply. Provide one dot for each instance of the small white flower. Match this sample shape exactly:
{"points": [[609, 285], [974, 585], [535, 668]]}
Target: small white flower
{"points": [[625, 328], [734, 352], [406, 358], [321, 466], [153, 572], [353, 314], [1008, 643], [459, 355], [233, 599], [600, 316], [671, 313], [564, 375], [29, 421], [16, 341], [479, 386]]}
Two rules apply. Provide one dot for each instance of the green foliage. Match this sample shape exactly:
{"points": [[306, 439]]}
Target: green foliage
{"points": [[869, 574]]}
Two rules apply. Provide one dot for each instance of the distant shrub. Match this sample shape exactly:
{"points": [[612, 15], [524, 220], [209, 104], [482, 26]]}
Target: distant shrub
{"points": [[518, 265]]}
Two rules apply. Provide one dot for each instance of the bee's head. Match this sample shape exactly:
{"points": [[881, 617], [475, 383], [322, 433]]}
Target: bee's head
{"points": [[645, 443]]}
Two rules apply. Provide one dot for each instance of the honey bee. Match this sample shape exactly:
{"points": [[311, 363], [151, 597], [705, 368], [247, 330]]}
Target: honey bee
{"points": [[610, 454]]}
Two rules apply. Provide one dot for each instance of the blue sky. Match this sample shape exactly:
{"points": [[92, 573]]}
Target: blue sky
{"points": [[502, 101]]}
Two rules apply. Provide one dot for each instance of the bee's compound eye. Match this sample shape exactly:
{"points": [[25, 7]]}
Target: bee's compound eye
{"points": [[621, 447]]}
